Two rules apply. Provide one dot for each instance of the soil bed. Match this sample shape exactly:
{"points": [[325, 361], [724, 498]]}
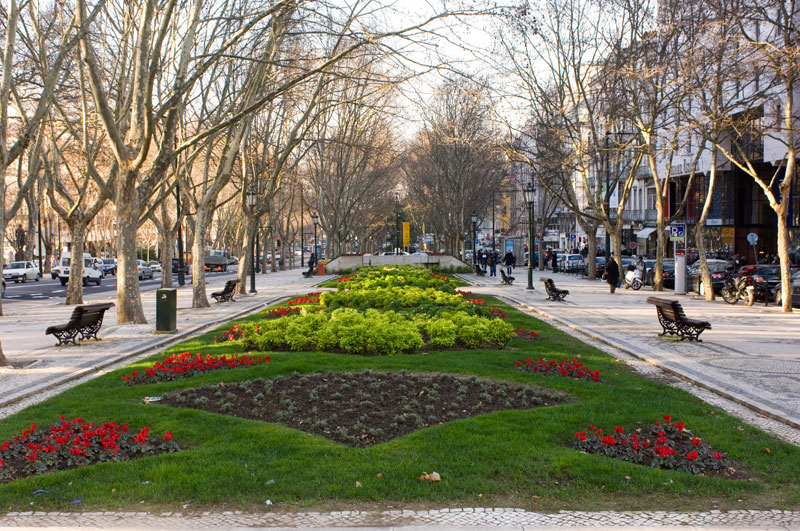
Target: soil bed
{"points": [[362, 408]]}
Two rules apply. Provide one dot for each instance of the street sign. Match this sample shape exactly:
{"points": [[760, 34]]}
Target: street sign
{"points": [[427, 239], [677, 233], [406, 234], [632, 245], [752, 238]]}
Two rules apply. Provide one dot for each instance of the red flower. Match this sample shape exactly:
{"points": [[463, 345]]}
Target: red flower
{"points": [[518, 364], [691, 456], [619, 429], [608, 440], [695, 441], [717, 455], [167, 436], [668, 418]]}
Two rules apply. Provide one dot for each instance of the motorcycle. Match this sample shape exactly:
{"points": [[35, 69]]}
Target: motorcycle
{"points": [[738, 288], [633, 279]]}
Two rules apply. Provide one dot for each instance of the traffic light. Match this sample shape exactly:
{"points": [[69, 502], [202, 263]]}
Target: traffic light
{"points": [[278, 241]]}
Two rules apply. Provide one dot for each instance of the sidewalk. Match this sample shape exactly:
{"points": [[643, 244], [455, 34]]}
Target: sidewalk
{"points": [[24, 341], [751, 355]]}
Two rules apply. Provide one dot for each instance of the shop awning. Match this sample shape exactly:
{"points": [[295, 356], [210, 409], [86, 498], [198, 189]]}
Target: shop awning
{"points": [[645, 233]]}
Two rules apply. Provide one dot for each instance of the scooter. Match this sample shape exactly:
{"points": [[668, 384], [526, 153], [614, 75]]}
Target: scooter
{"points": [[738, 288], [633, 279]]}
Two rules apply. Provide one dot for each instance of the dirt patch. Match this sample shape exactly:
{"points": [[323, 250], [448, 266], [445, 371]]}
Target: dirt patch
{"points": [[363, 408]]}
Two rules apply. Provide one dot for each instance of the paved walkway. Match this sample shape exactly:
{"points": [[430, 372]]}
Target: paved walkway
{"points": [[751, 356]]}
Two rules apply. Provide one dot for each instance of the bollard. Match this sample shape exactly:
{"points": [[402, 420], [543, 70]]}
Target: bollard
{"points": [[166, 310]]}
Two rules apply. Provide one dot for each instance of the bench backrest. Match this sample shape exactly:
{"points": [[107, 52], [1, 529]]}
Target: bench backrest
{"points": [[230, 285], [88, 313], [670, 309], [549, 285]]}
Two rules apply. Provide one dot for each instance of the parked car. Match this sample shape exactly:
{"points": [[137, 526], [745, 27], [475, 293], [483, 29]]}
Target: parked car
{"points": [[668, 276], [145, 271], [89, 271], [571, 263], [21, 272], [717, 269], [110, 266], [765, 278], [155, 265], [4, 287]]}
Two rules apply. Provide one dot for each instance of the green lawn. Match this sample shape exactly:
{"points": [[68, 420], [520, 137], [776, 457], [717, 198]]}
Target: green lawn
{"points": [[507, 458]]}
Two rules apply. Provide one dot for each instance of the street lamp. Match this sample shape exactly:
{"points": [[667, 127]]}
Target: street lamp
{"points": [[529, 194], [397, 224], [474, 237], [252, 199], [315, 220]]}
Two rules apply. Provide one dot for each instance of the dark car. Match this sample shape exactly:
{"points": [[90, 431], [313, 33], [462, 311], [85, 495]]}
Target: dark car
{"points": [[667, 278], [716, 268], [109, 266], [795, 290], [600, 266], [765, 278]]}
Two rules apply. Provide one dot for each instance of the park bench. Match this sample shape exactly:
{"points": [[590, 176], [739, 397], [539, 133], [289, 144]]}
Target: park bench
{"points": [[85, 320], [227, 292], [310, 272], [478, 271], [675, 322], [508, 280], [553, 293]]}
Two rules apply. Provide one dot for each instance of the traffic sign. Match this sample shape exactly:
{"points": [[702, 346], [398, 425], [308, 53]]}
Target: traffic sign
{"points": [[752, 238], [677, 233], [632, 245]]}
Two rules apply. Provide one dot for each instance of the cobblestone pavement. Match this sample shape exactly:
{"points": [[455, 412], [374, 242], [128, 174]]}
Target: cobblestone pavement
{"points": [[441, 518]]}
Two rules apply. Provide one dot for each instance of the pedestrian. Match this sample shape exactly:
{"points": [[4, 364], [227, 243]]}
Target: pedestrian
{"points": [[612, 274], [509, 260], [555, 262], [312, 261], [491, 260]]}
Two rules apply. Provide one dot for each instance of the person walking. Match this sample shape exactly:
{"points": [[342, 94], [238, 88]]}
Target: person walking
{"points": [[491, 260], [484, 258], [509, 260], [612, 274], [554, 256]]}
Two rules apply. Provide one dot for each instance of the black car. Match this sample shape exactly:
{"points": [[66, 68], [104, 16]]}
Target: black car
{"points": [[716, 268], [109, 266], [667, 278], [765, 278]]}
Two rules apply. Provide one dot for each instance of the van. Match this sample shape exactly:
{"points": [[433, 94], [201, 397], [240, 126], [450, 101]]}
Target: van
{"points": [[89, 270]]}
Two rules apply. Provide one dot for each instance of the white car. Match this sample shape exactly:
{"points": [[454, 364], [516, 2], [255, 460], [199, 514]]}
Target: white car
{"points": [[155, 266], [21, 272], [89, 271], [144, 270]]}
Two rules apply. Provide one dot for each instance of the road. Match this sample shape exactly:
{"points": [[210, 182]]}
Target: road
{"points": [[48, 288]]}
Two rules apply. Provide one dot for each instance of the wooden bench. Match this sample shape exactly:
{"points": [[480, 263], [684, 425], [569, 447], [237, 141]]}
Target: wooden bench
{"points": [[310, 272], [226, 295], [478, 271], [675, 322], [85, 320], [508, 280], [553, 293]]}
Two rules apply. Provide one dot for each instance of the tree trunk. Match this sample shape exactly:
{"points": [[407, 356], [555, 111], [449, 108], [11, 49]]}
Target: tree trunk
{"points": [[783, 255], [591, 259], [616, 245], [661, 245], [247, 260], [3, 360], [700, 232], [129, 301], [166, 245], [77, 233], [199, 299]]}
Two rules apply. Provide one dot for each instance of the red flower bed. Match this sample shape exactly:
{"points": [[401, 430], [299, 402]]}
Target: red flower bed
{"points": [[343, 279], [477, 302], [308, 299], [186, 364], [463, 292], [73, 443], [281, 311], [232, 334], [526, 334], [669, 445], [497, 312], [567, 367]]}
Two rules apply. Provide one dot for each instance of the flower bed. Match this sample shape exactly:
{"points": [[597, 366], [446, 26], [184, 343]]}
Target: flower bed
{"points": [[311, 298], [362, 408], [186, 364], [570, 367], [282, 311], [75, 443], [668, 445], [231, 335], [395, 276], [530, 335]]}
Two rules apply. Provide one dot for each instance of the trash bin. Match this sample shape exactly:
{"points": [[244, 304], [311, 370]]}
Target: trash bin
{"points": [[321, 267], [166, 310]]}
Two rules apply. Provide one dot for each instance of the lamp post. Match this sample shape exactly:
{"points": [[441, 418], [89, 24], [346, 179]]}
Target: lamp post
{"points": [[252, 198], [315, 220], [181, 272], [397, 223], [529, 194], [474, 237]]}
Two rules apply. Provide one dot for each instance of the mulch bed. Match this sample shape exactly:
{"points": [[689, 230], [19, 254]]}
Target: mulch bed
{"points": [[362, 408]]}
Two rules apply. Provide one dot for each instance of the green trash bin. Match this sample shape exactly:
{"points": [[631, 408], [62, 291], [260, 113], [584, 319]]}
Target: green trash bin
{"points": [[166, 310]]}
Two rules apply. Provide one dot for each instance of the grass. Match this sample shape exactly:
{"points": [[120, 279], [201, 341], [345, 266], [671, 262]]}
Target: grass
{"points": [[519, 458]]}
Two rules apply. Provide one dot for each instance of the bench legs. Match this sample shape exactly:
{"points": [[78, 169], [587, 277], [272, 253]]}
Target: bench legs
{"points": [[65, 336], [684, 330], [89, 332]]}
